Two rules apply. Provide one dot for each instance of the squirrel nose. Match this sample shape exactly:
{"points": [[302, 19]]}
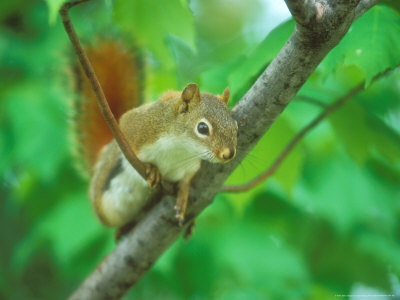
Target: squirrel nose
{"points": [[227, 153]]}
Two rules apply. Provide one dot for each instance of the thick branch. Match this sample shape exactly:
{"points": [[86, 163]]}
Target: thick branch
{"points": [[101, 98], [275, 165], [255, 113], [363, 6]]}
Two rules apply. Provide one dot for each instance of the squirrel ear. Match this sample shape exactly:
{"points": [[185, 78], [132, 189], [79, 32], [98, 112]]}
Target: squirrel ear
{"points": [[225, 96], [190, 95]]}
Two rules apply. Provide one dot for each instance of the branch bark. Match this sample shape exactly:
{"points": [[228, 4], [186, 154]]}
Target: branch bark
{"points": [[255, 113], [304, 11], [363, 6]]}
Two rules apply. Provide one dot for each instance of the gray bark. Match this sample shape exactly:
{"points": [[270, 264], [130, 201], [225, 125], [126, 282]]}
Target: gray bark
{"points": [[320, 27]]}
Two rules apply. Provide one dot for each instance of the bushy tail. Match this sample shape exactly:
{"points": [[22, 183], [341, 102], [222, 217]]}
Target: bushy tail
{"points": [[120, 72]]}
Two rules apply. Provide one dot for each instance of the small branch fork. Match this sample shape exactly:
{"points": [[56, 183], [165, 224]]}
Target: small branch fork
{"points": [[312, 12], [305, 10], [101, 99]]}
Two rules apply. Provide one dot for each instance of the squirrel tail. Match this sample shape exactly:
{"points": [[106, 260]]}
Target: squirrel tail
{"points": [[119, 69]]}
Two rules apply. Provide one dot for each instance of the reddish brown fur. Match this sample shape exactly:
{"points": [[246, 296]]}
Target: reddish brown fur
{"points": [[119, 73]]}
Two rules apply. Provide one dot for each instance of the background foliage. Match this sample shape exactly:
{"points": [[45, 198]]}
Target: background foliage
{"points": [[327, 223]]}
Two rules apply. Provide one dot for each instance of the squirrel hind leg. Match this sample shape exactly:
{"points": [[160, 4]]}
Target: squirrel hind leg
{"points": [[183, 197], [180, 208]]}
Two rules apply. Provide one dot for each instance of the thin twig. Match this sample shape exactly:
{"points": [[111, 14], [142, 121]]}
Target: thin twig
{"points": [[272, 169], [101, 99], [311, 100]]}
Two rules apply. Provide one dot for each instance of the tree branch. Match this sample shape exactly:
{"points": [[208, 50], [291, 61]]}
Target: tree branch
{"points": [[255, 113], [275, 165], [101, 98], [363, 6], [311, 100]]}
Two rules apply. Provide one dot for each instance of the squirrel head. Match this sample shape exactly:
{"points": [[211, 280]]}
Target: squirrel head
{"points": [[207, 121]]}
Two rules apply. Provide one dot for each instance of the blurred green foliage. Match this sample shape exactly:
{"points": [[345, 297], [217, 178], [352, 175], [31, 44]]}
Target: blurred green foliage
{"points": [[327, 223]]}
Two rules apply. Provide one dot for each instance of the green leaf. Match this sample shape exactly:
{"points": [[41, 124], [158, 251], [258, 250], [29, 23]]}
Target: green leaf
{"points": [[382, 97], [383, 248], [2, 280], [261, 158], [215, 79], [393, 3], [249, 69], [322, 292], [350, 127], [363, 133], [240, 294], [254, 254], [224, 31], [9, 7], [187, 64], [347, 195], [54, 6], [34, 118], [197, 255], [70, 226], [150, 21], [266, 151], [372, 44]]}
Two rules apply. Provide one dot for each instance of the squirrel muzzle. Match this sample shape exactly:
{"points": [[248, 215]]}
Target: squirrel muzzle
{"points": [[226, 154]]}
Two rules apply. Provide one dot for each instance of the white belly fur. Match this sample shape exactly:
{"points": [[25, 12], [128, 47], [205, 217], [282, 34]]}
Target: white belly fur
{"points": [[126, 195], [128, 191], [175, 157]]}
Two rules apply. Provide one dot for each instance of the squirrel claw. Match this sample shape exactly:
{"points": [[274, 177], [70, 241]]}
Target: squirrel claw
{"points": [[180, 215], [189, 230], [153, 175]]}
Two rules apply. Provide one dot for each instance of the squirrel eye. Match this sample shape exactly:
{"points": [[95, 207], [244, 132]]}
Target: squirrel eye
{"points": [[202, 128]]}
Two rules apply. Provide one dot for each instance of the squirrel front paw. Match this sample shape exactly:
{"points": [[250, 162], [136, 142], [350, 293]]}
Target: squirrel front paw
{"points": [[153, 175]]}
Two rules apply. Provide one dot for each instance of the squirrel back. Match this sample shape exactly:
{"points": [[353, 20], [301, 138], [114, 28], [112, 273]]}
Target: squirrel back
{"points": [[119, 69]]}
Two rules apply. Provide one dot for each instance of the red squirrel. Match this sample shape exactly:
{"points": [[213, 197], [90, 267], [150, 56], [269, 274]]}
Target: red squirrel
{"points": [[174, 133]]}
